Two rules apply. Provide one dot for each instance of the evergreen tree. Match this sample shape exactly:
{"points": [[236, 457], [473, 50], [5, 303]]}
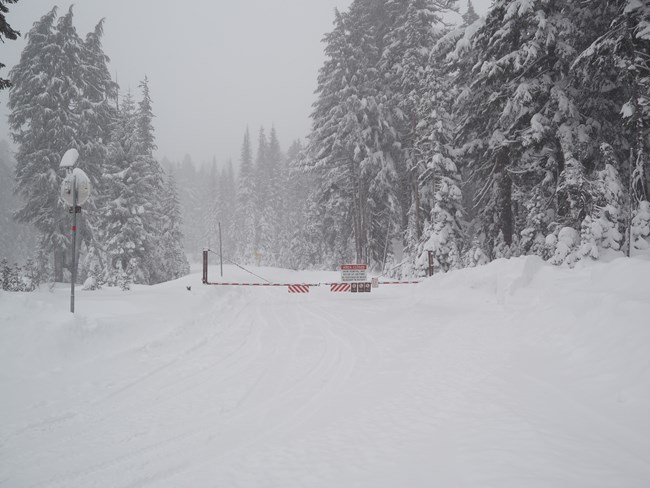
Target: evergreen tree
{"points": [[60, 100], [16, 240], [43, 124], [5, 274], [211, 202], [30, 276], [352, 142], [16, 279], [97, 119], [96, 107], [149, 186], [223, 210], [122, 208], [269, 199], [613, 73], [519, 124], [246, 203], [174, 262], [470, 16], [641, 226], [228, 192], [302, 248], [6, 32], [263, 220], [413, 84], [190, 198], [533, 236]]}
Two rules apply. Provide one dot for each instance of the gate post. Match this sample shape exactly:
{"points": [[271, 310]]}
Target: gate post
{"points": [[205, 266]]}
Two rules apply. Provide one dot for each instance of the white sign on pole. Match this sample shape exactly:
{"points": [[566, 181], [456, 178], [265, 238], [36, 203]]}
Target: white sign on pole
{"points": [[354, 272], [83, 187]]}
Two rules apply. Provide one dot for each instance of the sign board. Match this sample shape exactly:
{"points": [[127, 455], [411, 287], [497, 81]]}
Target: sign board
{"points": [[354, 272], [83, 187], [353, 288], [375, 282]]}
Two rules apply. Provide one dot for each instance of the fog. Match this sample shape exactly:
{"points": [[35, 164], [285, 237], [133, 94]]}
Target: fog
{"points": [[214, 67]]}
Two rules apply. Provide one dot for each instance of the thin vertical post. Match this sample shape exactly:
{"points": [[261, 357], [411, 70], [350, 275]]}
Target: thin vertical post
{"points": [[383, 264], [205, 266], [629, 203], [74, 242], [430, 263], [220, 250]]}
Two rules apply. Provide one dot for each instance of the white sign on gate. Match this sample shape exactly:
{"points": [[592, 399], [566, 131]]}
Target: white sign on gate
{"points": [[354, 272]]}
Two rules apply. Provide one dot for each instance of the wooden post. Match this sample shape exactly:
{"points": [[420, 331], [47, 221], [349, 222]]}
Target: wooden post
{"points": [[430, 263], [220, 250], [205, 266]]}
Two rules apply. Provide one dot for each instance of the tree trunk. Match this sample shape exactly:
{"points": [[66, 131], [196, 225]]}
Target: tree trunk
{"points": [[59, 258], [504, 204]]}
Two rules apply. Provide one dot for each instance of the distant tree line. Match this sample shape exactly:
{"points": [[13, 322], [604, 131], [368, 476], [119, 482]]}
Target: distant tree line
{"points": [[62, 96], [261, 209]]}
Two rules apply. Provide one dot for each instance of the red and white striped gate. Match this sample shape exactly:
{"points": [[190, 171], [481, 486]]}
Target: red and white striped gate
{"points": [[298, 288], [340, 287]]}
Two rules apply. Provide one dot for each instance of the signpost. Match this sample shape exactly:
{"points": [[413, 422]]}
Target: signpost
{"points": [[75, 190], [357, 276], [354, 272]]}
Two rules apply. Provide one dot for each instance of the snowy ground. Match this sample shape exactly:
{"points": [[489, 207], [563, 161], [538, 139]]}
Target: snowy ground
{"points": [[517, 374]]}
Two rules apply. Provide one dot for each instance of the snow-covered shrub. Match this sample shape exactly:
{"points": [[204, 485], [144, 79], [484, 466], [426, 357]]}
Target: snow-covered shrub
{"points": [[90, 284], [565, 247], [14, 278], [609, 201], [575, 193], [591, 234], [501, 248], [609, 223], [475, 256], [641, 226], [532, 237], [5, 274]]}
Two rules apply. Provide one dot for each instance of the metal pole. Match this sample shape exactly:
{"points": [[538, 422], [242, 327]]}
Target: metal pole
{"points": [[74, 242], [220, 250]]}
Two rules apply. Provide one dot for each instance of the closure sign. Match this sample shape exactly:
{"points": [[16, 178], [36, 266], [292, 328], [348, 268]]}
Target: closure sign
{"points": [[354, 272]]}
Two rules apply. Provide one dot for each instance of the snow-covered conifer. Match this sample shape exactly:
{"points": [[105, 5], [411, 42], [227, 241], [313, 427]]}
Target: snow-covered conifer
{"points": [[5, 274], [641, 226], [6, 32], [42, 123], [353, 139], [173, 260], [246, 208], [470, 16], [565, 245]]}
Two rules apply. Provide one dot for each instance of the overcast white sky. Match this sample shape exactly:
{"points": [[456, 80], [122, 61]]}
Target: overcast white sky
{"points": [[214, 66]]}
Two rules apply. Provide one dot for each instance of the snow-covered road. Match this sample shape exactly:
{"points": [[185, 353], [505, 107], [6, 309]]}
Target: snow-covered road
{"points": [[517, 374]]}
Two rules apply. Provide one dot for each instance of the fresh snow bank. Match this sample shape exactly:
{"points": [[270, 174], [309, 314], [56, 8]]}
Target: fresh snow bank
{"points": [[515, 374]]}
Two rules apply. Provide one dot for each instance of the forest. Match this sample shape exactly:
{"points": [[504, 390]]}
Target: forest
{"points": [[523, 132]]}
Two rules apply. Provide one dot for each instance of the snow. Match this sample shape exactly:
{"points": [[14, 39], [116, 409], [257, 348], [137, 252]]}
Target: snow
{"points": [[515, 374], [69, 159]]}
